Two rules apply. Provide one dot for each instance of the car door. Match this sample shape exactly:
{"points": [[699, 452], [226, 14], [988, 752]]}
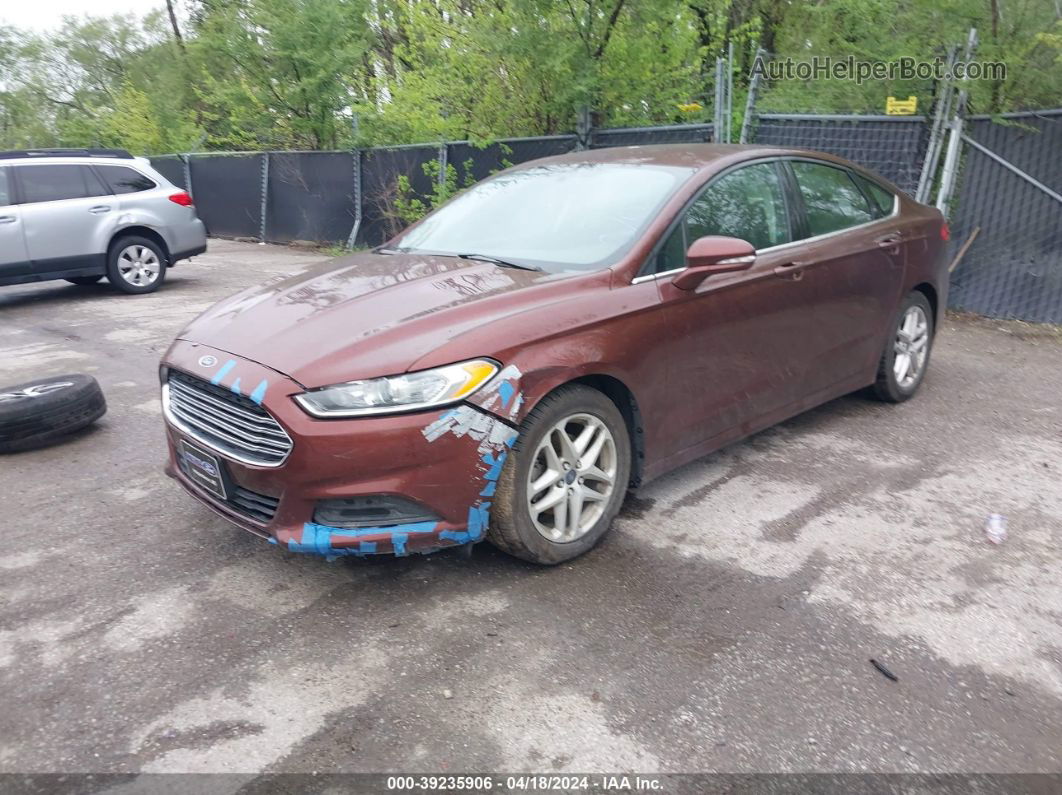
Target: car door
{"points": [[853, 262], [67, 214], [14, 260], [733, 344]]}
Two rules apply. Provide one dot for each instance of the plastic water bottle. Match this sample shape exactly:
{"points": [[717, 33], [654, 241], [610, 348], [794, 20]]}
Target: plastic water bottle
{"points": [[996, 528]]}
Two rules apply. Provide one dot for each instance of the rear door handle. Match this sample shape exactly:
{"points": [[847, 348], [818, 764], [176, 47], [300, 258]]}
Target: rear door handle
{"points": [[890, 242], [794, 271], [7, 219], [100, 208]]}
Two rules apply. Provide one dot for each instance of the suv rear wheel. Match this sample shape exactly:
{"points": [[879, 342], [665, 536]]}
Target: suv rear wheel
{"points": [[565, 480], [136, 265]]}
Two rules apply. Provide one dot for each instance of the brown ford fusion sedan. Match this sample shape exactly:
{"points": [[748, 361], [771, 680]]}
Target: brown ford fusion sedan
{"points": [[564, 330]]}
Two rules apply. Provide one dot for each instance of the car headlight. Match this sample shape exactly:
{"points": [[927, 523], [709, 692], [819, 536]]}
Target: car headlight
{"points": [[407, 392]]}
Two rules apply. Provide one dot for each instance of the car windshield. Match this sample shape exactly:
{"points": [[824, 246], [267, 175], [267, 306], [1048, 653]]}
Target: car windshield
{"points": [[567, 216]]}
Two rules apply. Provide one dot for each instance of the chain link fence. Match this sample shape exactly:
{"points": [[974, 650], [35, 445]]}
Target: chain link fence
{"points": [[893, 146], [1007, 208]]}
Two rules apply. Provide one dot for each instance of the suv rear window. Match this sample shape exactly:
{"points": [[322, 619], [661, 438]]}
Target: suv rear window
{"points": [[49, 183], [124, 180]]}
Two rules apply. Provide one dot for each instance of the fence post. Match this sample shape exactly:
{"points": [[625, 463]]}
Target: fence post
{"points": [[441, 178], [717, 103], [583, 130], [729, 91], [936, 133], [750, 100], [951, 157], [187, 174], [264, 195], [352, 239]]}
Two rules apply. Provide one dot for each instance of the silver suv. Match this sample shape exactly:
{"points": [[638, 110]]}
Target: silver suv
{"points": [[82, 214]]}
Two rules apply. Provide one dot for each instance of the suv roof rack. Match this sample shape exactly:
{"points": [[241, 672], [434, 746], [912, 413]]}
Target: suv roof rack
{"points": [[31, 153]]}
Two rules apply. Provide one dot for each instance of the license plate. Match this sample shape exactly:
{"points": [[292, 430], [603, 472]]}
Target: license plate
{"points": [[203, 468]]}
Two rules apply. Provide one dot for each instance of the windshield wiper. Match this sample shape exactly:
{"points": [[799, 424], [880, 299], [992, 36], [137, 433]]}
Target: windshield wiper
{"points": [[504, 263], [391, 250]]}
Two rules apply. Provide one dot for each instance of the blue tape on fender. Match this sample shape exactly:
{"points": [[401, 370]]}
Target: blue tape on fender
{"points": [[506, 391]]}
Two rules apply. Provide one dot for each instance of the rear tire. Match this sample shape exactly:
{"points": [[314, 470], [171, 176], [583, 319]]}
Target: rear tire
{"points": [[136, 265], [39, 412], [84, 281], [573, 477], [905, 359]]}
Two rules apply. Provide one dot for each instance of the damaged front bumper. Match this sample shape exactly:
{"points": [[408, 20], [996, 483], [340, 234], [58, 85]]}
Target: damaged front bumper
{"points": [[447, 460]]}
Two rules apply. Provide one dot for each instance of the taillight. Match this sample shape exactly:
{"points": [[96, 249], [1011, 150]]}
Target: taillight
{"points": [[182, 199], [945, 233]]}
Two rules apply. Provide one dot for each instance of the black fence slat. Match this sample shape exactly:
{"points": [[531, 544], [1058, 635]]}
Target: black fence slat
{"points": [[310, 197], [172, 168], [228, 193]]}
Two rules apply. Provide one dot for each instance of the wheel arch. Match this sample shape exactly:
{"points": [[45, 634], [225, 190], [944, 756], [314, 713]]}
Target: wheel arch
{"points": [[612, 387], [141, 231], [623, 398], [930, 292]]}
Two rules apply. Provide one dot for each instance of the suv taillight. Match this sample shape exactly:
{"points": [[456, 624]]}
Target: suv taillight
{"points": [[945, 233], [182, 199]]}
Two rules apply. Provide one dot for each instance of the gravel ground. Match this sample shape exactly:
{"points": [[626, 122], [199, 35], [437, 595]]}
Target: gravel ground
{"points": [[726, 624]]}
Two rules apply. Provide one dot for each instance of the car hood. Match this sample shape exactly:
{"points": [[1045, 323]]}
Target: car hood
{"points": [[365, 315]]}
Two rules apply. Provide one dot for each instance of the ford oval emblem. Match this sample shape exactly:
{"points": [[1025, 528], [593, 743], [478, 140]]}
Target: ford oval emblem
{"points": [[208, 361]]}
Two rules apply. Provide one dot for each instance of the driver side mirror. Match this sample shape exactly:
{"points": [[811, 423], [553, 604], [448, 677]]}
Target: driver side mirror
{"points": [[710, 255]]}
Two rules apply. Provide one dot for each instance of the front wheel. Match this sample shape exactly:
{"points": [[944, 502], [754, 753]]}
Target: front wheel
{"points": [[565, 480], [906, 356], [136, 265]]}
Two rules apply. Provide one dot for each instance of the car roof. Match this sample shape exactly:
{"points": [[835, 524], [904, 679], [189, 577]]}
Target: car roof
{"points": [[696, 156]]}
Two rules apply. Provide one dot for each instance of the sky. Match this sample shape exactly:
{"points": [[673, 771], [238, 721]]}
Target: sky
{"points": [[41, 15]]}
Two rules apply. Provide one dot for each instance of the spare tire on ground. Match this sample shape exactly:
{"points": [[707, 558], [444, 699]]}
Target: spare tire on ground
{"points": [[36, 413]]}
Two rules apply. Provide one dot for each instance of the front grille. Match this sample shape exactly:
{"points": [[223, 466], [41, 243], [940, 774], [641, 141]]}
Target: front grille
{"points": [[257, 506], [229, 423]]}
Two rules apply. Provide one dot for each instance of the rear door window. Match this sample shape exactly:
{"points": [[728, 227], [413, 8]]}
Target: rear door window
{"points": [[832, 200], [5, 188], [881, 200], [748, 204], [49, 183], [121, 179]]}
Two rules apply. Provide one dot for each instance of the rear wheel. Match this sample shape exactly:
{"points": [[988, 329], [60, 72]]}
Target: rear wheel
{"points": [[905, 359], [85, 281], [565, 480], [136, 265]]}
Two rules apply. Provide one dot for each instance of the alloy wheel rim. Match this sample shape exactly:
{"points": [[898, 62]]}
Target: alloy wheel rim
{"points": [[572, 478], [34, 391], [138, 265], [910, 347]]}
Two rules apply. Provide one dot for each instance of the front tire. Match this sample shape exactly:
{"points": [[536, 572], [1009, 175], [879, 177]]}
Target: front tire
{"points": [[905, 359], [565, 480], [136, 265]]}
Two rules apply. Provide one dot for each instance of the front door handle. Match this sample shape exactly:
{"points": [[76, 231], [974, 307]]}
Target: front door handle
{"points": [[100, 208], [7, 219]]}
